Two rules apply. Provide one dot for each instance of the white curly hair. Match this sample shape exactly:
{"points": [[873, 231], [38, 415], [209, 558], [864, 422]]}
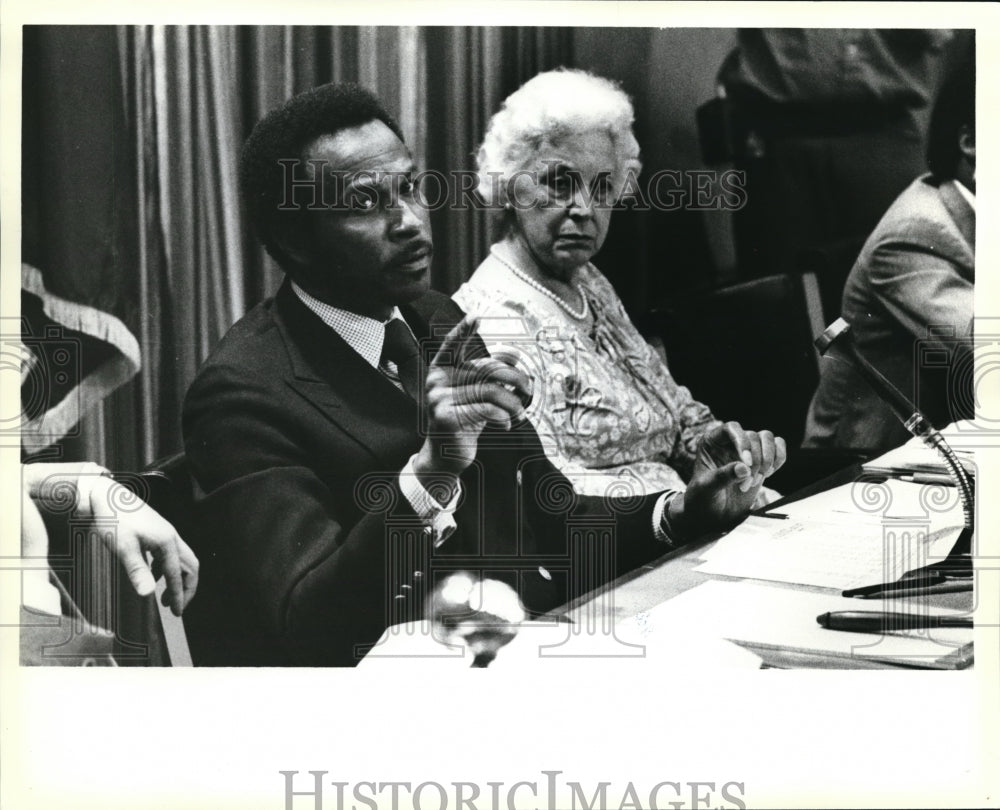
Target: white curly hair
{"points": [[549, 106]]}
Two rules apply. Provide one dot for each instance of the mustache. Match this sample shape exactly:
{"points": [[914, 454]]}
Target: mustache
{"points": [[417, 249]]}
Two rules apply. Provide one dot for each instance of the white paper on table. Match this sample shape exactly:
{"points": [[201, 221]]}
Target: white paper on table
{"points": [[829, 555], [866, 501], [783, 618], [916, 456]]}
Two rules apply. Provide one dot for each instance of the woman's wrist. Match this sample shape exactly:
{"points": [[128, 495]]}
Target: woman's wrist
{"points": [[60, 485], [89, 482]]}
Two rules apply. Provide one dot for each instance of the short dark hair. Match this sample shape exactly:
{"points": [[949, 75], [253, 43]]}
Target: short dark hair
{"points": [[283, 134], [954, 108]]}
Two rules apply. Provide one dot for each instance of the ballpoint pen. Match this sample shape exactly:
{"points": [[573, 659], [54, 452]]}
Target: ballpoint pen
{"points": [[925, 579], [926, 478], [955, 566], [916, 588], [872, 621], [937, 573]]}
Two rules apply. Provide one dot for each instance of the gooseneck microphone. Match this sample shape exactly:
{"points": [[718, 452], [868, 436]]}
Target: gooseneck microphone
{"points": [[838, 342]]}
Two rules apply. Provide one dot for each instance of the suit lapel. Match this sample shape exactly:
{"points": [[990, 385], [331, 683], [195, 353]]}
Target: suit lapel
{"points": [[338, 382]]}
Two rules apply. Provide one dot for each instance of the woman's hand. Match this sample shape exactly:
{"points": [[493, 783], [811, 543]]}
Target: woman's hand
{"points": [[730, 465]]}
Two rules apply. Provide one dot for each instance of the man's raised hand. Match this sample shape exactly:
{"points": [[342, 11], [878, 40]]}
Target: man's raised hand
{"points": [[465, 390]]}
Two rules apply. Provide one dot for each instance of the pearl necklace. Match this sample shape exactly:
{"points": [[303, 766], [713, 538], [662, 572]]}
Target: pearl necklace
{"points": [[578, 316]]}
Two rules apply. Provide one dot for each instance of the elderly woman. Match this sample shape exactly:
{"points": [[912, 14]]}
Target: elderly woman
{"points": [[554, 160]]}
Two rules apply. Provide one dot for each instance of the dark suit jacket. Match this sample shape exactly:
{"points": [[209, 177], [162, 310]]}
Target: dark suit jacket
{"points": [[916, 271], [308, 547]]}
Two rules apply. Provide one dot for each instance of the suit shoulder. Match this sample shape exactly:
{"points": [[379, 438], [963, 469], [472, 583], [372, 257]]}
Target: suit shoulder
{"points": [[433, 306], [918, 209], [917, 223], [254, 336], [916, 233], [250, 354]]}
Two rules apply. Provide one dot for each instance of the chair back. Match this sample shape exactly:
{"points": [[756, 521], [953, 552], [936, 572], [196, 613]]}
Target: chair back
{"points": [[831, 263], [746, 351]]}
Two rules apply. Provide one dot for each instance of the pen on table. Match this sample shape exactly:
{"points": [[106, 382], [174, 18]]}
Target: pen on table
{"points": [[927, 478], [919, 590], [957, 567], [924, 581], [871, 621], [775, 515]]}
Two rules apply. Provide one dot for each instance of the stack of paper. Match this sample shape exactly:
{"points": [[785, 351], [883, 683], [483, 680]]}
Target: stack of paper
{"points": [[848, 537], [779, 624], [908, 459], [915, 456], [879, 502]]}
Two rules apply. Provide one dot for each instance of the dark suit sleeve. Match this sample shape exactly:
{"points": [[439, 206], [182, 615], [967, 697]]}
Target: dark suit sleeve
{"points": [[299, 575], [591, 539], [634, 543]]}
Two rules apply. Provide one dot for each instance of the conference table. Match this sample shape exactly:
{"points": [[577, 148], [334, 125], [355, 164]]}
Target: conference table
{"points": [[656, 583], [612, 610], [673, 573]]}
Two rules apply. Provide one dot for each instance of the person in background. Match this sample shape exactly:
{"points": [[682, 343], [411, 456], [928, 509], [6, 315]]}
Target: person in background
{"points": [[829, 125], [909, 296], [553, 161]]}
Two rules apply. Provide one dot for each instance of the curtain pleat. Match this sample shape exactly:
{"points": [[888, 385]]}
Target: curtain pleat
{"points": [[344, 54], [191, 266], [152, 251], [368, 57], [412, 76]]}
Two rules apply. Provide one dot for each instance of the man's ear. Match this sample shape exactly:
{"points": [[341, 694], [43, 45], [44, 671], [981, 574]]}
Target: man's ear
{"points": [[289, 236], [967, 143]]}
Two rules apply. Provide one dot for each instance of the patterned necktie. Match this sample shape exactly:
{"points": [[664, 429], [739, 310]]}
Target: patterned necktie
{"points": [[400, 347]]}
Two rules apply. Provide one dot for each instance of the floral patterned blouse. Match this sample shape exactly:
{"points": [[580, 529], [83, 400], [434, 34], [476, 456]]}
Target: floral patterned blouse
{"points": [[605, 404]]}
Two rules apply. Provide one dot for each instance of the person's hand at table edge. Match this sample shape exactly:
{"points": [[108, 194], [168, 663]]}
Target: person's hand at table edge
{"points": [[145, 530], [730, 466]]}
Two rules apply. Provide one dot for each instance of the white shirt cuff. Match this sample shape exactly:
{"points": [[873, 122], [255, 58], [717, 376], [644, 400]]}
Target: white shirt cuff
{"points": [[439, 519], [661, 521]]}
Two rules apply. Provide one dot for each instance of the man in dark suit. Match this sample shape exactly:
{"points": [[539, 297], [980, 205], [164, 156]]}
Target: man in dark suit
{"points": [[354, 440], [909, 297]]}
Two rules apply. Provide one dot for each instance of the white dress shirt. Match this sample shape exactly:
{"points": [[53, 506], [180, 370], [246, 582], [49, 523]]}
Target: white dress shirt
{"points": [[970, 198]]}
